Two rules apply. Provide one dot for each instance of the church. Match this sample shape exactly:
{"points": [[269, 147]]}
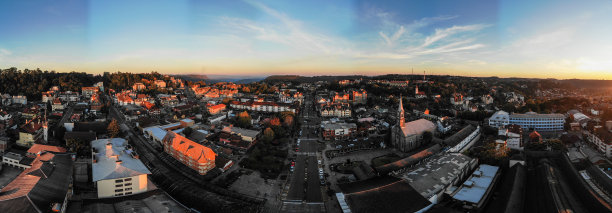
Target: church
{"points": [[408, 136]]}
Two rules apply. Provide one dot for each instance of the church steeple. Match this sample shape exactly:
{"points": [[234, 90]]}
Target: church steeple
{"points": [[400, 113]]}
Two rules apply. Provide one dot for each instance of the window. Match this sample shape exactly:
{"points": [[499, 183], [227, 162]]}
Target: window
{"points": [[128, 179], [118, 190], [119, 185], [119, 194], [118, 181], [128, 193], [128, 189], [128, 184]]}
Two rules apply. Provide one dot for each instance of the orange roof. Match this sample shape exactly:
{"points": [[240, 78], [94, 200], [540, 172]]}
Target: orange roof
{"points": [[41, 148], [24, 183], [218, 106], [188, 148]]}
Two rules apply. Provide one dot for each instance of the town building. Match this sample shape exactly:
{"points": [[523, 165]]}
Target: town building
{"points": [[263, 106], [408, 136], [44, 187], [530, 120], [340, 110], [116, 169], [37, 149], [57, 105], [513, 135], [160, 83], [338, 131], [381, 194], [601, 139], [215, 109], [17, 160], [475, 191], [33, 131], [139, 86], [433, 177], [20, 99], [194, 155], [89, 91], [352, 97], [539, 122]]}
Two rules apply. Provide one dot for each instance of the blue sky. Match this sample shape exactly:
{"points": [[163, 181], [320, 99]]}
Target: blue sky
{"points": [[563, 39]]}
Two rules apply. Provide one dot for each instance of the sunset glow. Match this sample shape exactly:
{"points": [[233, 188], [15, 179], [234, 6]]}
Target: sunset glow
{"points": [[564, 39]]}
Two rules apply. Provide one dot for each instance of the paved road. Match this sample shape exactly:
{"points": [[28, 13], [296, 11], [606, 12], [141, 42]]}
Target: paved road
{"points": [[305, 189]]}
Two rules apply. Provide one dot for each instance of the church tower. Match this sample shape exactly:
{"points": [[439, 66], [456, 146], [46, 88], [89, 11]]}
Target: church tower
{"points": [[400, 114], [416, 91]]}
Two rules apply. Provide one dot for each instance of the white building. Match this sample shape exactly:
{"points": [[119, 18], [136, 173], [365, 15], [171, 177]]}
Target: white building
{"points": [[602, 139], [20, 99], [116, 169], [16, 160], [514, 135], [499, 119]]}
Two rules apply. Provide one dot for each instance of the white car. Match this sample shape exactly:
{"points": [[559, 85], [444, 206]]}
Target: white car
{"points": [[319, 161]]}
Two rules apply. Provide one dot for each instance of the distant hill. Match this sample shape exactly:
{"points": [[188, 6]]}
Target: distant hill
{"points": [[304, 79], [193, 77], [579, 83]]}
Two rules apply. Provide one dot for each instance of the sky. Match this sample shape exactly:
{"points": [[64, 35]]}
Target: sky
{"points": [[505, 38]]}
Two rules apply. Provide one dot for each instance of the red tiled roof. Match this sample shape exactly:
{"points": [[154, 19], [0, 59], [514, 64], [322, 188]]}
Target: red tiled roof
{"points": [[41, 148], [188, 148]]}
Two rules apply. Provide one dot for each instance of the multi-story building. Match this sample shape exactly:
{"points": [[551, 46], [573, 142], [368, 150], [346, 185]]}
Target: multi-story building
{"points": [[68, 96], [48, 96], [33, 131], [57, 105], [499, 119], [215, 109], [89, 91], [513, 135], [16, 160], [38, 149], [352, 97], [20, 99], [601, 138], [160, 83], [194, 155], [263, 106], [408, 136], [539, 122], [530, 120], [43, 187], [116, 169], [338, 131], [340, 110], [139, 86], [486, 99]]}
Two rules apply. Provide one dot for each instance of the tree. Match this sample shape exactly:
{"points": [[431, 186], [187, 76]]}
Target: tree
{"points": [[243, 119], [74, 144], [268, 135], [113, 128], [275, 121], [288, 121]]}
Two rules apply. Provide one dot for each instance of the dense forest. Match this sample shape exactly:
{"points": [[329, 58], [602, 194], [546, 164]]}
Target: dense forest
{"points": [[32, 83]]}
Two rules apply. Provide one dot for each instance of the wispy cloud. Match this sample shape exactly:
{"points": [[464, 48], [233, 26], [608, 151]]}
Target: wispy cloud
{"points": [[4, 53], [443, 33]]}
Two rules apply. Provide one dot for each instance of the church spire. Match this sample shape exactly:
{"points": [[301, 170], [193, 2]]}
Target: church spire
{"points": [[400, 113]]}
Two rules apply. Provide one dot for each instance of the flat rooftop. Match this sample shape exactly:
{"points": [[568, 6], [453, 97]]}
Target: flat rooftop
{"points": [[113, 159], [436, 174], [474, 189]]}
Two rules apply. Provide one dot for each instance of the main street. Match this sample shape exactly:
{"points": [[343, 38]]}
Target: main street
{"points": [[305, 190]]}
